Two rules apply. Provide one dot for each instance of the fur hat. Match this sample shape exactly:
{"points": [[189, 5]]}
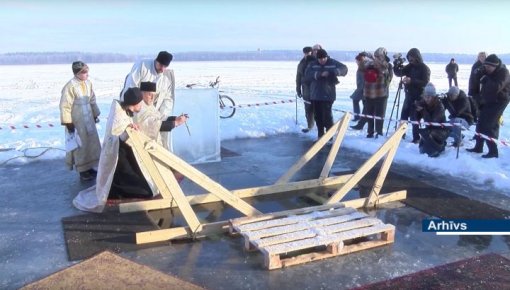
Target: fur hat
{"points": [[132, 96], [307, 49], [430, 90], [321, 53], [148, 87], [78, 66], [164, 58], [454, 91], [492, 60]]}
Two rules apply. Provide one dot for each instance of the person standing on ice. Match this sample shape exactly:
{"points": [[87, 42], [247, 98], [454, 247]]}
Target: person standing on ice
{"points": [[119, 173], [322, 74], [79, 114], [303, 88], [156, 71]]}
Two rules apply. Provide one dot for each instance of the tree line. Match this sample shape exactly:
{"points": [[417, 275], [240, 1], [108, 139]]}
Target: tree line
{"points": [[30, 58]]}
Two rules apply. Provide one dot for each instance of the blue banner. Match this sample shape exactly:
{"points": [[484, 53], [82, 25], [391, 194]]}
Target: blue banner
{"points": [[461, 225]]}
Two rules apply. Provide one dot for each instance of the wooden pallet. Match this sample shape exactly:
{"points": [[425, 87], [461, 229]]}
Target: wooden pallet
{"points": [[314, 233]]}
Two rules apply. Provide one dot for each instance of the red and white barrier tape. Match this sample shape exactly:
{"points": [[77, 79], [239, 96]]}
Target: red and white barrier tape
{"points": [[503, 142], [13, 127]]}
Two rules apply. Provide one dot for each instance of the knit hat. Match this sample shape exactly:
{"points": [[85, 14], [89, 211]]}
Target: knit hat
{"points": [[132, 96], [321, 53], [381, 51], [164, 58], [453, 91], [430, 90], [78, 66], [147, 87], [492, 60], [307, 49]]}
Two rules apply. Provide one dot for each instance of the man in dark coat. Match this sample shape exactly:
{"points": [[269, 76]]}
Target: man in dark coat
{"points": [[451, 70], [303, 88], [430, 108], [415, 75], [495, 95], [322, 74], [474, 83], [458, 106]]}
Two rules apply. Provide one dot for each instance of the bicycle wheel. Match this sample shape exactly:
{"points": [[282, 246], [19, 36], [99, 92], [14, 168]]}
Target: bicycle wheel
{"points": [[227, 107]]}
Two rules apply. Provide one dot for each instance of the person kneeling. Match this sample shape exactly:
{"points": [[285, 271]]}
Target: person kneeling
{"points": [[119, 173], [430, 108]]}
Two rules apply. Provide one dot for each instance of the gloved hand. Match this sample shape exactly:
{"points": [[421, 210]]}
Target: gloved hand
{"points": [[96, 119], [70, 127], [299, 93]]}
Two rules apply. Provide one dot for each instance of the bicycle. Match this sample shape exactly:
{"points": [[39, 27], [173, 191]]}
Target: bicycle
{"points": [[227, 104]]}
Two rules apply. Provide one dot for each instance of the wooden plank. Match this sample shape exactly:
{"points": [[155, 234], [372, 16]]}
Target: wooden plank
{"points": [[202, 180], [302, 225], [180, 233], [369, 164], [373, 198], [293, 219], [383, 198], [242, 193], [168, 186], [333, 152], [316, 227], [245, 220], [308, 155]]}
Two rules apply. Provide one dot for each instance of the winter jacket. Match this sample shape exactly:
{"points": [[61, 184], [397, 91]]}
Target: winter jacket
{"points": [[460, 108], [496, 86], [419, 74], [452, 69], [474, 79], [360, 83], [303, 88], [378, 88], [323, 88]]}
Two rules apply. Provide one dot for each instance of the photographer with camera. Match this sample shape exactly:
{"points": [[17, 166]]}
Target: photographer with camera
{"points": [[430, 108], [415, 75], [495, 89], [322, 74], [457, 104], [377, 74]]}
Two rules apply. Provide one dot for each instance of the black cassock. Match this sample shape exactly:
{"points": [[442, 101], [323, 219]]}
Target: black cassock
{"points": [[128, 180]]}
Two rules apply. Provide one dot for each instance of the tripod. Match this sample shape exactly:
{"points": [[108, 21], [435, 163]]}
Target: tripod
{"points": [[396, 103]]}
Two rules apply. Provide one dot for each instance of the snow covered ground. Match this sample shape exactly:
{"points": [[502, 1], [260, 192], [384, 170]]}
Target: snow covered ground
{"points": [[29, 96]]}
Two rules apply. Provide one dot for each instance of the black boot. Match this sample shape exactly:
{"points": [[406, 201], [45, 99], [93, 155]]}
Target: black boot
{"points": [[478, 146], [493, 150]]}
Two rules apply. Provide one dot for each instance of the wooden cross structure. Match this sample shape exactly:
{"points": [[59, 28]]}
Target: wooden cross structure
{"points": [[159, 164]]}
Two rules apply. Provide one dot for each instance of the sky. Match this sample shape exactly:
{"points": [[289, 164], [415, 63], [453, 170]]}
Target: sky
{"points": [[142, 27]]}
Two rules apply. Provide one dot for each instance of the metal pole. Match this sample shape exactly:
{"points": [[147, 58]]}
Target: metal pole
{"points": [[296, 108]]}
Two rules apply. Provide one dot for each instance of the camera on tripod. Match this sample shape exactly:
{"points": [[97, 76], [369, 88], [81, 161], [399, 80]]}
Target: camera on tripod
{"points": [[398, 60]]}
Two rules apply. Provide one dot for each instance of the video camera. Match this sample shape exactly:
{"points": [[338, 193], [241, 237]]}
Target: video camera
{"points": [[398, 60], [442, 96]]}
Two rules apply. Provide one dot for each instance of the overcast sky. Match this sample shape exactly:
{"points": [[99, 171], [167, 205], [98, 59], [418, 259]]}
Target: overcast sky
{"points": [[226, 25]]}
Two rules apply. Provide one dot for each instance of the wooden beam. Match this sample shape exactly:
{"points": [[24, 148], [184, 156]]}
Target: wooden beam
{"points": [[164, 185], [373, 198], [394, 140], [201, 179], [340, 133], [383, 198], [242, 193], [309, 154]]}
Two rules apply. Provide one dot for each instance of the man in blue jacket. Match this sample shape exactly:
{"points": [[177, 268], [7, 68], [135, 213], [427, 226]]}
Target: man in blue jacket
{"points": [[322, 74]]}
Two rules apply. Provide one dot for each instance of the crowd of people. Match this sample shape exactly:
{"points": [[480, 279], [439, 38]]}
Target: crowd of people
{"points": [[147, 98], [488, 96]]}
